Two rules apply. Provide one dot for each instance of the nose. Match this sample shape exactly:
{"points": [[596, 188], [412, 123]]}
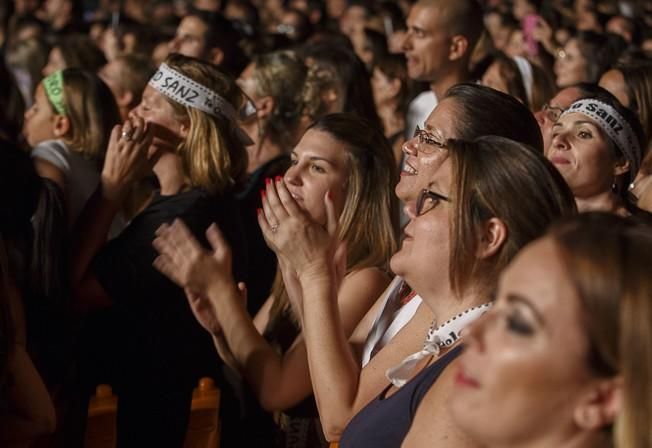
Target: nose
{"points": [[475, 332], [173, 45], [406, 45], [560, 141], [410, 147], [292, 175]]}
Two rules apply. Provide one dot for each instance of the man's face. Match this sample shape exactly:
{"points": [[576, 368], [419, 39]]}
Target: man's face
{"points": [[426, 44], [189, 39]]}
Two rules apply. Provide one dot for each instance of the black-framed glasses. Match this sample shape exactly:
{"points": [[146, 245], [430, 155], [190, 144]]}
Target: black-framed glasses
{"points": [[428, 143], [427, 200], [552, 112]]}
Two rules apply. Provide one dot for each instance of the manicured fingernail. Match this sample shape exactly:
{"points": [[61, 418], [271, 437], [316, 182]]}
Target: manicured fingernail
{"points": [[263, 194], [278, 178], [268, 181], [329, 194]]}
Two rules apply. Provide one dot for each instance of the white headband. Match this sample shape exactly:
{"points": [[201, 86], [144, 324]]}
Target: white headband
{"points": [[190, 93], [614, 125], [525, 68]]}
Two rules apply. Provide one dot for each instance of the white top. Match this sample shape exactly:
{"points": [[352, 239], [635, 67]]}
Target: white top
{"points": [[391, 318], [419, 110], [81, 178]]}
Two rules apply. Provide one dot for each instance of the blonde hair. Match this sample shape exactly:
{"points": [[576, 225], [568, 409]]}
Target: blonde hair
{"points": [[607, 258], [213, 156], [92, 112]]}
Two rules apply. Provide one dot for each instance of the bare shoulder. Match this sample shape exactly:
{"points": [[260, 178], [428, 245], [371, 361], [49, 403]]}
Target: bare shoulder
{"points": [[359, 291], [432, 424]]}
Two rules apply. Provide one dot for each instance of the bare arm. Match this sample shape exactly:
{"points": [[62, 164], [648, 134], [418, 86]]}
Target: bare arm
{"points": [[31, 413]]}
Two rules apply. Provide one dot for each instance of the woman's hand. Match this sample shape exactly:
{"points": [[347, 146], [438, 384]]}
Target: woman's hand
{"points": [[305, 246], [126, 158]]}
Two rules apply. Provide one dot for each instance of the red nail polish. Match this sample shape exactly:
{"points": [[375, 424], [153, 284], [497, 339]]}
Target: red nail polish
{"points": [[268, 181], [278, 178], [263, 193], [329, 194], [259, 211]]}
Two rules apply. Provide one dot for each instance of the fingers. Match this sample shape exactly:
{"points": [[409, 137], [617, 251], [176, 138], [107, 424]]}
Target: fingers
{"points": [[273, 199], [165, 266], [331, 216], [268, 210], [220, 247], [288, 202], [242, 289]]}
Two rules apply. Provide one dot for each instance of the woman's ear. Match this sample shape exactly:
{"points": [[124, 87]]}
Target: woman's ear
{"points": [[493, 235], [61, 126], [265, 107], [621, 167], [600, 405]]}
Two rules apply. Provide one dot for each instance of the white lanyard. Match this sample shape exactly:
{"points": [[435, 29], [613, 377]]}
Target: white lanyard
{"points": [[438, 337]]}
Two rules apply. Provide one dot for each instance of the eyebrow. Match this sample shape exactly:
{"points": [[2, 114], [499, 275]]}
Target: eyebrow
{"points": [[517, 299], [313, 158], [578, 122]]}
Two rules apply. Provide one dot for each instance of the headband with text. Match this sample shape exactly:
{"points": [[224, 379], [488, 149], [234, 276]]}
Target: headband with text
{"points": [[614, 125]]}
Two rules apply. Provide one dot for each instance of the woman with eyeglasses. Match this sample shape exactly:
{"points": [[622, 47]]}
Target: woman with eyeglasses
{"points": [[380, 341], [562, 359], [344, 158], [597, 145], [464, 227]]}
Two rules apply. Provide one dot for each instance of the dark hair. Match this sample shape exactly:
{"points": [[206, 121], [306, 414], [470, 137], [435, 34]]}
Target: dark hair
{"points": [[377, 43], [491, 175], [352, 78], [600, 52], [489, 112], [222, 34], [512, 76], [13, 106], [465, 18], [79, 50], [394, 67], [33, 224]]}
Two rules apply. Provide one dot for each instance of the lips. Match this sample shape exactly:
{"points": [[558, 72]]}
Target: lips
{"points": [[461, 379], [408, 170], [558, 160]]}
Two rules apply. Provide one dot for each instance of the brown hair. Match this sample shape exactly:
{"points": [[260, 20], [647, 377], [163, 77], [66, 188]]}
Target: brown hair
{"points": [[491, 175], [369, 219], [213, 156], [607, 257], [134, 74], [92, 111]]}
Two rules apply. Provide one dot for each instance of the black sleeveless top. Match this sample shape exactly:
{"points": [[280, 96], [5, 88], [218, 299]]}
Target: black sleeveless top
{"points": [[386, 421]]}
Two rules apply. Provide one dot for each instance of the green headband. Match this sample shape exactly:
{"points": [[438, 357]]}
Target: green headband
{"points": [[53, 85]]}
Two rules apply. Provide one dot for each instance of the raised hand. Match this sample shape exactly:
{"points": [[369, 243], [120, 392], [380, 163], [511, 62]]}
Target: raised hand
{"points": [[306, 246], [126, 157]]}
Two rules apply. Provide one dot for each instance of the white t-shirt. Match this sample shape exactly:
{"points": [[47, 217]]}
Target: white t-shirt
{"points": [[419, 110], [81, 178]]}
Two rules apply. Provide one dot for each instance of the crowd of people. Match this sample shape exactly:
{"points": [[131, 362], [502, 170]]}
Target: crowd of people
{"points": [[371, 223]]}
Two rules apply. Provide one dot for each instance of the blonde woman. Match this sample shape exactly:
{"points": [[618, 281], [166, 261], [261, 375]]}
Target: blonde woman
{"points": [[185, 131], [340, 155]]}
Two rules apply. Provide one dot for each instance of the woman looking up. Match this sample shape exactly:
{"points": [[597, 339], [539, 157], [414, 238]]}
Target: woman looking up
{"points": [[185, 131], [342, 155]]}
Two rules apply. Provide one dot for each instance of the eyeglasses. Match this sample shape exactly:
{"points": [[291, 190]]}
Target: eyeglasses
{"points": [[427, 200], [427, 141], [552, 112]]}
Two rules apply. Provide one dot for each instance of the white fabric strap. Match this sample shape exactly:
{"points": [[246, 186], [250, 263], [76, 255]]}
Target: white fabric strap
{"points": [[438, 337], [525, 68], [614, 125], [190, 93]]}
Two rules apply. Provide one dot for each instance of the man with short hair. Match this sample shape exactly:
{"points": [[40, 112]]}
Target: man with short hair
{"points": [[210, 37], [438, 44]]}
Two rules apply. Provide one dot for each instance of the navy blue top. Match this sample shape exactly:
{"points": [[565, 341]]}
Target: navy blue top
{"points": [[386, 421]]}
